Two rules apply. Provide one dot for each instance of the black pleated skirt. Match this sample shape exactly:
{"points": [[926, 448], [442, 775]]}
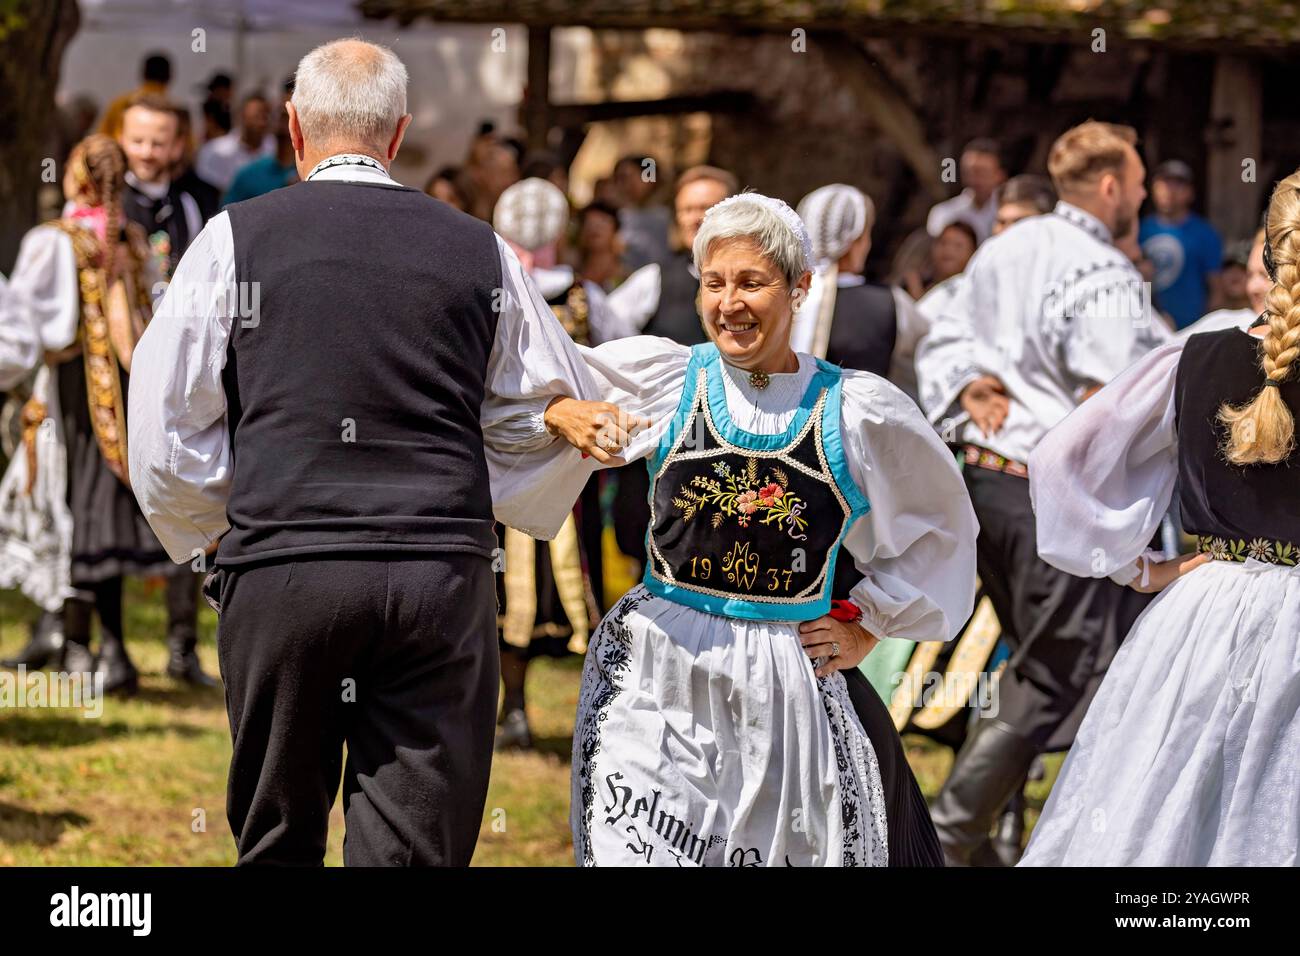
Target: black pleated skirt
{"points": [[110, 536], [912, 839]]}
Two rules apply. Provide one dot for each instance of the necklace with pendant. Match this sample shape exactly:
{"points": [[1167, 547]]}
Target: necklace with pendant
{"points": [[759, 379]]}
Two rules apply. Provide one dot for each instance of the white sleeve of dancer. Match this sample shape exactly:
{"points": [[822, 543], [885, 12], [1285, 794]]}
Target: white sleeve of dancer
{"points": [[1102, 479], [45, 287], [178, 441], [602, 325], [945, 356], [20, 343], [916, 546], [536, 477], [634, 301], [643, 375]]}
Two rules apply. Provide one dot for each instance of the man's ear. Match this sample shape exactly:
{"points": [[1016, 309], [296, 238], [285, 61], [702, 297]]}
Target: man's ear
{"points": [[396, 142], [295, 129]]}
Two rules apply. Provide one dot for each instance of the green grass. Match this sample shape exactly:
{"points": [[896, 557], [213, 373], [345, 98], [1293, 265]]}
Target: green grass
{"points": [[144, 784]]}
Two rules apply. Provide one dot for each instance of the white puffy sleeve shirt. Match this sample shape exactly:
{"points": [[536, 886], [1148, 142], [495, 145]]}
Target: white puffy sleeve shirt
{"points": [[915, 548], [1102, 479]]}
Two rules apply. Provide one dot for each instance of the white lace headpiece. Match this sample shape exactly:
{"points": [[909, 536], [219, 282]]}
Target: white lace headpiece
{"points": [[783, 212]]}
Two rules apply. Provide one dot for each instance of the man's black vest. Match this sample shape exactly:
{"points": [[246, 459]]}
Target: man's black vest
{"points": [[677, 317], [354, 391], [863, 329]]}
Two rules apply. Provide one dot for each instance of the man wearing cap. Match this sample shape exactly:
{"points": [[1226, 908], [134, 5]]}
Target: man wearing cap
{"points": [[1185, 248]]}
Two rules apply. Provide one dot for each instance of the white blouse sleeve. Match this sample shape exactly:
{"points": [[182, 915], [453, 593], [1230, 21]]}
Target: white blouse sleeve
{"points": [[44, 284], [535, 476], [20, 343], [643, 375], [534, 490], [634, 301], [1101, 480], [945, 357], [179, 441], [916, 546]]}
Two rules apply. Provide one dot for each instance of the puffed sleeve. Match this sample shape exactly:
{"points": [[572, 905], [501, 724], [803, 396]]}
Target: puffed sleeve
{"points": [[44, 284], [946, 356], [916, 546], [179, 441], [1101, 480], [643, 375], [533, 490], [20, 344]]}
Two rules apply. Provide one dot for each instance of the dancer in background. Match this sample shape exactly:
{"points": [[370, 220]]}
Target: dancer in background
{"points": [[847, 320], [1047, 312], [547, 588], [85, 281], [1187, 756]]}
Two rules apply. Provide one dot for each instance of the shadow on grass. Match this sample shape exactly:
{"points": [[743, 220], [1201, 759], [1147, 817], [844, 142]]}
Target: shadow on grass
{"points": [[74, 730], [182, 696], [561, 747], [20, 825]]}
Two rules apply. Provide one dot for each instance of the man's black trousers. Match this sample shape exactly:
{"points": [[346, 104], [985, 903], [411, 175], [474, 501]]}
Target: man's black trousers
{"points": [[394, 656]]}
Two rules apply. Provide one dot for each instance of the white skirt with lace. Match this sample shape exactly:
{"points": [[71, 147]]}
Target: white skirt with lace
{"points": [[708, 741], [1190, 752], [36, 525]]}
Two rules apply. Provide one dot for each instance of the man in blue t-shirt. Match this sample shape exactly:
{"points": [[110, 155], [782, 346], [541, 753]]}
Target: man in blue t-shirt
{"points": [[1185, 249]]}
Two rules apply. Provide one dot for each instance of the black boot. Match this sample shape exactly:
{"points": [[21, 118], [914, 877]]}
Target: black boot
{"points": [[989, 769], [183, 661], [1009, 838], [513, 734], [77, 658], [119, 674], [182, 629], [45, 646]]}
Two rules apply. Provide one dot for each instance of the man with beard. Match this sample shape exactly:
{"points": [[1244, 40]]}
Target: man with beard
{"points": [[1047, 313]]}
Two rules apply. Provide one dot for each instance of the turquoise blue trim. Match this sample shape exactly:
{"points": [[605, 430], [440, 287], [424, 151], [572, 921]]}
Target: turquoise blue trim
{"points": [[828, 376], [669, 438], [736, 608], [736, 435]]}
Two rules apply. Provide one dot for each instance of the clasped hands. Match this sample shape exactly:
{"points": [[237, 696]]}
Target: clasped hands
{"points": [[599, 430]]}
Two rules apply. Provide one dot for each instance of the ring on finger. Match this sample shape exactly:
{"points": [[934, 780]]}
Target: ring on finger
{"points": [[835, 648]]}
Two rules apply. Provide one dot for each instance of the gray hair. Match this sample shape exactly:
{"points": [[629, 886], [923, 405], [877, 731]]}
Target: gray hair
{"points": [[350, 91], [768, 223]]}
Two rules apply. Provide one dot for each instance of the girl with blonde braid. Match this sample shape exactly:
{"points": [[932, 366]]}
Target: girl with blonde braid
{"points": [[1187, 756], [70, 523]]}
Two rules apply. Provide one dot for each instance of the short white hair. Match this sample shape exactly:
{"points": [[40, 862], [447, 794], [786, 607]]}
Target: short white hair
{"points": [[768, 223], [350, 91]]}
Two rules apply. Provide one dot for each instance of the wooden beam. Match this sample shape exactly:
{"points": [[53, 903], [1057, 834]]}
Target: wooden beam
{"points": [[1234, 136], [724, 101], [537, 99]]}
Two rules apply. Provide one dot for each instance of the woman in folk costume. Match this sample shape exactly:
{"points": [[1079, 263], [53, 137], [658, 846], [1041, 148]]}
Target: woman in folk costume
{"points": [[84, 282], [544, 588], [1187, 755], [847, 320], [716, 722]]}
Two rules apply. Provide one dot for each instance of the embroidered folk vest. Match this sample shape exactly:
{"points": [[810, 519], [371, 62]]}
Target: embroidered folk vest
{"points": [[744, 525]]}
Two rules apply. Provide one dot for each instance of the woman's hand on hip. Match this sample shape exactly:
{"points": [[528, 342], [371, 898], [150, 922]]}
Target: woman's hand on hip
{"points": [[598, 429], [844, 644]]}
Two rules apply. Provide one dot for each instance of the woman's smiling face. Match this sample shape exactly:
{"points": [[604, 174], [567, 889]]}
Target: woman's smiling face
{"points": [[747, 305]]}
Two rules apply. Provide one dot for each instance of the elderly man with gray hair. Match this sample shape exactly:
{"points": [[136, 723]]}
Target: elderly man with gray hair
{"points": [[337, 384]]}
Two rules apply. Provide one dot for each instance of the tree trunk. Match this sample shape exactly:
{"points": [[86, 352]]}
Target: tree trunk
{"points": [[33, 36]]}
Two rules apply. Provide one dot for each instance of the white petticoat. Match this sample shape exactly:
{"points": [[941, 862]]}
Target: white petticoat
{"points": [[1190, 753], [36, 528], [703, 740]]}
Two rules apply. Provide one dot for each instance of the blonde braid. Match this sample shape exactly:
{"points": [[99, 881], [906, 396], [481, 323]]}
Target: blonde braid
{"points": [[99, 168], [1263, 431]]}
